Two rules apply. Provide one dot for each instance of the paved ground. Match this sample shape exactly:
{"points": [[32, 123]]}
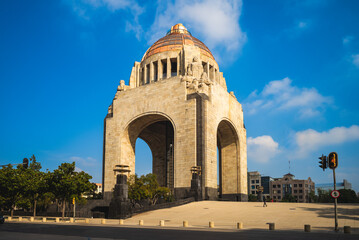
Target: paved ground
{"points": [[286, 216], [289, 219]]}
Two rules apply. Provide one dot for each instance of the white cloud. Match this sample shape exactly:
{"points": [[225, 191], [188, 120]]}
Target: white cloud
{"points": [[311, 140], [281, 95], [355, 60], [303, 24], [347, 40], [216, 23], [88, 161], [262, 149], [85, 8]]}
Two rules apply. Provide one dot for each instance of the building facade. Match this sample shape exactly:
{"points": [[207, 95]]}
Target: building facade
{"points": [[177, 102], [254, 181], [287, 185], [265, 181]]}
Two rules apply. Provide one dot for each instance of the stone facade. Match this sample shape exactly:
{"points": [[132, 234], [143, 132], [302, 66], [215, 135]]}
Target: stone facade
{"points": [[177, 102]]}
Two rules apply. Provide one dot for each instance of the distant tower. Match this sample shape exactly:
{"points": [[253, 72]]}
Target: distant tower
{"points": [[177, 102]]}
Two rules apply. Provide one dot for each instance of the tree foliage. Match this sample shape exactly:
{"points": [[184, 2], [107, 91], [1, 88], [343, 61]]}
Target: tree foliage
{"points": [[67, 184], [28, 188], [146, 189]]}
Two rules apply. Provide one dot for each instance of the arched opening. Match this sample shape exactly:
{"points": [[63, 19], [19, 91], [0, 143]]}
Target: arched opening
{"points": [[228, 161], [157, 132], [143, 156]]}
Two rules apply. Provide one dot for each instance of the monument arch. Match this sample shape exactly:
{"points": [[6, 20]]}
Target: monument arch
{"points": [[177, 101]]}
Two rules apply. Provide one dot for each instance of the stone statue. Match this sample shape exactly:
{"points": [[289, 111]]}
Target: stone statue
{"points": [[122, 86], [197, 68]]}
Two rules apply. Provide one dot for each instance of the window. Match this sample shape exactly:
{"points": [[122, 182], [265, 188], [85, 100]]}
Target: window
{"points": [[300, 185], [253, 181], [295, 191], [274, 186], [253, 186], [155, 71], [253, 192], [257, 181], [147, 73], [279, 197], [300, 197], [173, 67], [278, 185], [295, 185], [306, 185], [274, 191], [300, 191], [274, 197], [278, 191]]}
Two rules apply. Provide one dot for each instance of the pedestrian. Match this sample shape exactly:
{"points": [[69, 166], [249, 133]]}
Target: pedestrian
{"points": [[264, 202]]}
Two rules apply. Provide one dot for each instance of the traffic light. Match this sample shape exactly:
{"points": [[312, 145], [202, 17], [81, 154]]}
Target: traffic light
{"points": [[25, 163], [73, 200], [333, 160], [323, 162]]}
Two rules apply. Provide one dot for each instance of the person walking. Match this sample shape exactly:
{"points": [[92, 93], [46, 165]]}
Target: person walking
{"points": [[264, 202]]}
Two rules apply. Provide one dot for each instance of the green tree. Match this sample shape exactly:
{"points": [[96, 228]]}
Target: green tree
{"points": [[289, 198], [347, 196], [12, 186], [67, 184], [252, 198], [147, 188], [36, 183]]}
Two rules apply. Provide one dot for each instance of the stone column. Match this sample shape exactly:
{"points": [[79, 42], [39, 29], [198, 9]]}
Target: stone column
{"points": [[207, 69], [159, 69], [145, 75], [168, 67], [178, 65], [151, 73]]}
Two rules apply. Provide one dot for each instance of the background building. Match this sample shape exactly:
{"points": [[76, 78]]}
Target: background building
{"points": [[287, 185], [265, 181], [329, 186], [254, 181]]}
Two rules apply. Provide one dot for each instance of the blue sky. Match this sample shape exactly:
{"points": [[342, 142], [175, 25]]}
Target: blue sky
{"points": [[293, 65]]}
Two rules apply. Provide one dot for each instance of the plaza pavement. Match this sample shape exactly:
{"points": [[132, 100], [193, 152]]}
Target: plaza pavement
{"points": [[225, 215]]}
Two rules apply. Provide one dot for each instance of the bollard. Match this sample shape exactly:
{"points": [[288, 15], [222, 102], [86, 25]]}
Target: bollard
{"points": [[185, 223], [240, 225], [43, 219], [271, 226], [57, 220], [71, 220], [31, 219], [103, 221], [211, 224], [347, 229], [9, 218], [20, 219], [87, 220], [162, 223], [121, 222], [306, 228], [140, 222]]}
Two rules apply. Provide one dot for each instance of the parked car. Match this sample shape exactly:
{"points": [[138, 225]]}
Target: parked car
{"points": [[2, 219]]}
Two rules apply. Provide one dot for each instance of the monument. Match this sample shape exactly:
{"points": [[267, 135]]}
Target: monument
{"points": [[177, 102]]}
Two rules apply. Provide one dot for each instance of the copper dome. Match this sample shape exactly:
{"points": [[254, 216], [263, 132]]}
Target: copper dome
{"points": [[174, 40]]}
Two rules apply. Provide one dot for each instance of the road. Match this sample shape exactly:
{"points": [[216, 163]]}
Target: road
{"points": [[32, 231]]}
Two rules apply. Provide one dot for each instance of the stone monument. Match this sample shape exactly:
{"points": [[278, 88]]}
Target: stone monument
{"points": [[177, 102]]}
